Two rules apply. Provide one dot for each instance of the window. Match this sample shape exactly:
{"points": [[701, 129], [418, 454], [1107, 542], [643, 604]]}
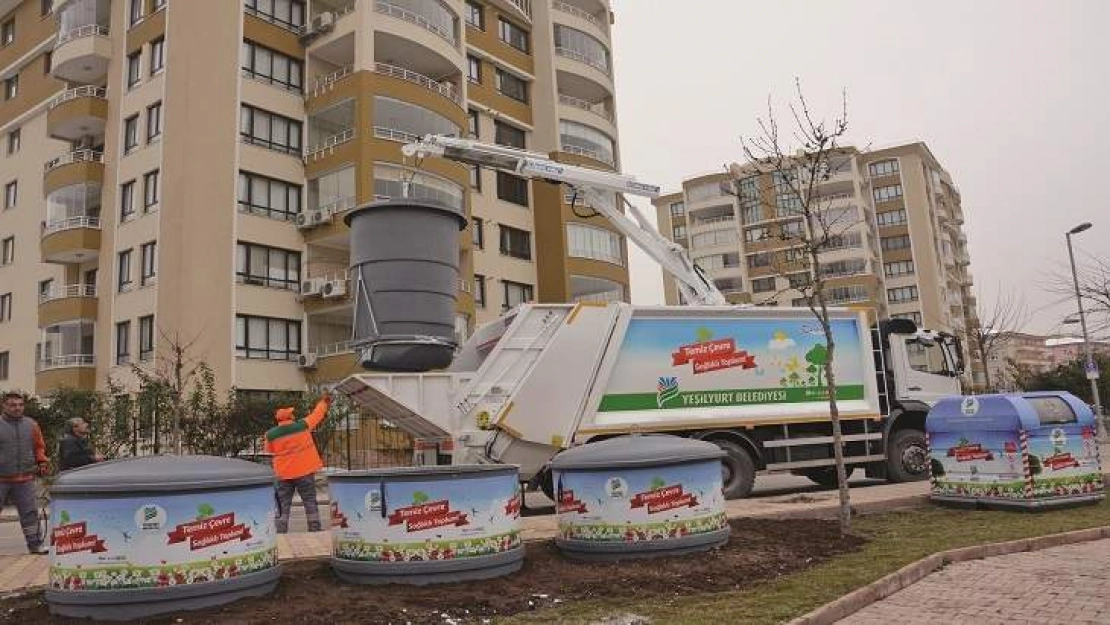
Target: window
{"points": [[891, 218], [751, 235], [134, 71], [148, 255], [883, 168], [269, 130], [580, 46], [594, 289], [763, 285], [594, 243], [269, 197], [680, 232], [512, 34], [718, 261], [587, 141], [45, 286], [508, 135], [841, 295], [7, 251], [127, 200], [150, 189], [14, 140], [891, 192], [474, 14], [153, 122], [902, 294], [512, 188], [792, 229], [403, 121], [5, 363], [7, 33], [288, 14], [515, 293], [123, 271], [267, 338], [11, 194], [123, 342], [130, 133], [480, 290], [273, 267], [477, 235], [926, 358], [762, 259], [472, 123], [841, 268], [516, 243], [473, 69], [273, 67], [157, 55], [715, 237], [844, 241], [476, 177], [912, 316], [156, 5], [5, 307], [47, 61], [678, 209], [388, 184], [146, 338], [901, 242], [45, 7], [900, 268], [799, 280], [135, 15], [704, 191], [512, 86], [11, 87]]}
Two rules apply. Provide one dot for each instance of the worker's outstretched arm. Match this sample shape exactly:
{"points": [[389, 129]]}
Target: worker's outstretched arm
{"points": [[318, 413]]}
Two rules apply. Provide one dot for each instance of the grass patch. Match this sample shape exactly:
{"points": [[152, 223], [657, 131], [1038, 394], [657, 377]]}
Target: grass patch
{"points": [[895, 540]]}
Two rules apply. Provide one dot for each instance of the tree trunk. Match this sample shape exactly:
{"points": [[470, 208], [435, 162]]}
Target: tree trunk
{"points": [[845, 515]]}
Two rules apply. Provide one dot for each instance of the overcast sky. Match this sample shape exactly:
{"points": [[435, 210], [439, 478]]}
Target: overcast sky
{"points": [[1012, 96]]}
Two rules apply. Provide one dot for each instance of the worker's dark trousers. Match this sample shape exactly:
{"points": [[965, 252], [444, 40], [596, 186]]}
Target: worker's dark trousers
{"points": [[22, 494], [306, 486]]}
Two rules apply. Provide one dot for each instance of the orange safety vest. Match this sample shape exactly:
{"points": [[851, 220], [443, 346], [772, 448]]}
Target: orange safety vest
{"points": [[291, 442]]}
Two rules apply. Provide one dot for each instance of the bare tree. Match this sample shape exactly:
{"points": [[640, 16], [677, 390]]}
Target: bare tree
{"points": [[167, 389], [786, 185], [996, 328]]}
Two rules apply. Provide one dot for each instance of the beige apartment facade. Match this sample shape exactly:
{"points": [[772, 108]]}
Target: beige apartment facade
{"points": [[179, 188], [899, 248]]}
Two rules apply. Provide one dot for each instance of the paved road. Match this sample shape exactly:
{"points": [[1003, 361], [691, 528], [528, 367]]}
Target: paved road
{"points": [[1069, 584]]}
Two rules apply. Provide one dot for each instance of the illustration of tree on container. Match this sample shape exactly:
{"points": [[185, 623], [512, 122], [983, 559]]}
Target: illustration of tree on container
{"points": [[657, 483], [419, 497], [204, 511], [703, 334], [817, 358], [1035, 466], [936, 467], [64, 517]]}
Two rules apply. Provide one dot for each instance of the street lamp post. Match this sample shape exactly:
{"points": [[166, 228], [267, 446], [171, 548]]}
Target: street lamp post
{"points": [[1090, 368]]}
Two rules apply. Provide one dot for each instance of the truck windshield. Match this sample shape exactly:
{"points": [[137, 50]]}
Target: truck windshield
{"points": [[927, 357]]}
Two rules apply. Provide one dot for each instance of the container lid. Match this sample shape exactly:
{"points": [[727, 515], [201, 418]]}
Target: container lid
{"points": [[408, 203], [1028, 411], [430, 470], [636, 451], [162, 473]]}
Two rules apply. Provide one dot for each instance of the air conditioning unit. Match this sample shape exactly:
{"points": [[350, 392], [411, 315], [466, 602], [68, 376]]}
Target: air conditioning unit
{"points": [[311, 287], [322, 215], [307, 361], [324, 22], [303, 220], [333, 289]]}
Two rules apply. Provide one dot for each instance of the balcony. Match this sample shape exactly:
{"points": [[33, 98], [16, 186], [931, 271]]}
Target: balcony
{"points": [[327, 145], [80, 166], [443, 88], [597, 108], [596, 155], [81, 54], [78, 113], [435, 20], [65, 303], [70, 240], [598, 23], [710, 223], [594, 62]]}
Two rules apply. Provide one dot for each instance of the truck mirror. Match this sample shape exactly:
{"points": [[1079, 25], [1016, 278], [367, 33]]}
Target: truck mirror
{"points": [[899, 326]]}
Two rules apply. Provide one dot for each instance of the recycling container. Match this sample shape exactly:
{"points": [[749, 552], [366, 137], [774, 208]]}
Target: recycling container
{"points": [[1031, 450], [639, 496], [134, 538], [426, 525]]}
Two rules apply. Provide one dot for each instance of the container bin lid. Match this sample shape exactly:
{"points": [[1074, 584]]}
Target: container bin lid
{"points": [[408, 203], [625, 452], [1008, 412], [429, 470], [162, 473]]}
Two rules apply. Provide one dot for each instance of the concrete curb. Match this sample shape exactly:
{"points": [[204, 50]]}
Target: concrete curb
{"points": [[911, 573]]}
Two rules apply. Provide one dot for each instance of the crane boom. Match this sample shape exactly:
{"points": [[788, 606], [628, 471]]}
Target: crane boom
{"points": [[592, 185]]}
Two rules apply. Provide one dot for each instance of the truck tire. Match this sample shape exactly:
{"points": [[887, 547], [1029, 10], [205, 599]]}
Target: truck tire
{"points": [[737, 470], [907, 456], [826, 476]]}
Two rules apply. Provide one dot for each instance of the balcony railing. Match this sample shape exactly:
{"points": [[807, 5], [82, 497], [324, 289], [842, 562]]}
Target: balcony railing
{"points": [[524, 6], [595, 63], [329, 144], [389, 134], [322, 83], [466, 286], [712, 220], [67, 291], [339, 206], [580, 13], [594, 154], [297, 30], [90, 30], [87, 91], [70, 224], [585, 105], [402, 13], [333, 349], [64, 362], [445, 89], [79, 156]]}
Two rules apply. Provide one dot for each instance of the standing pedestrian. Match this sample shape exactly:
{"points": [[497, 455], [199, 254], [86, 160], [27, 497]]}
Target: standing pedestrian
{"points": [[74, 449], [296, 461], [22, 456]]}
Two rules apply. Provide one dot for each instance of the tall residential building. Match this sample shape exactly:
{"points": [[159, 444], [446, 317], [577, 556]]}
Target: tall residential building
{"points": [[177, 171], [900, 248]]}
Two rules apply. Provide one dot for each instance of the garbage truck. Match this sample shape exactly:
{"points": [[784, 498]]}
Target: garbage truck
{"points": [[545, 377]]}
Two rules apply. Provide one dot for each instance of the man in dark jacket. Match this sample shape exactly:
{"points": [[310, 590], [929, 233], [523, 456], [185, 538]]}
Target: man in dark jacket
{"points": [[22, 456], [74, 449]]}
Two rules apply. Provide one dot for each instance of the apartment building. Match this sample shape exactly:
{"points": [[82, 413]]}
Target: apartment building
{"points": [[899, 248], [177, 172], [1035, 353]]}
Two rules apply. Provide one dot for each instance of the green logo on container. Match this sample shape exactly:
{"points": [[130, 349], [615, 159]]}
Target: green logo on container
{"points": [[667, 390]]}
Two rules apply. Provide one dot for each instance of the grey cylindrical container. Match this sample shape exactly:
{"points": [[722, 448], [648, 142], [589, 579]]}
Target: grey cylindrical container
{"points": [[426, 525], [136, 538], [405, 273], [639, 496]]}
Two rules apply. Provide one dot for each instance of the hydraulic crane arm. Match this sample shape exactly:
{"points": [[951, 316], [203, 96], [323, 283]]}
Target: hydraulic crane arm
{"points": [[593, 185]]}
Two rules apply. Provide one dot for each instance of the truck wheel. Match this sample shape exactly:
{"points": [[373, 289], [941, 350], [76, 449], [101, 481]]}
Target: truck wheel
{"points": [[907, 456], [826, 476], [737, 470]]}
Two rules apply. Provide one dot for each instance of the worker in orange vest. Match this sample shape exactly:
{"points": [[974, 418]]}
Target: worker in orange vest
{"points": [[296, 462]]}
